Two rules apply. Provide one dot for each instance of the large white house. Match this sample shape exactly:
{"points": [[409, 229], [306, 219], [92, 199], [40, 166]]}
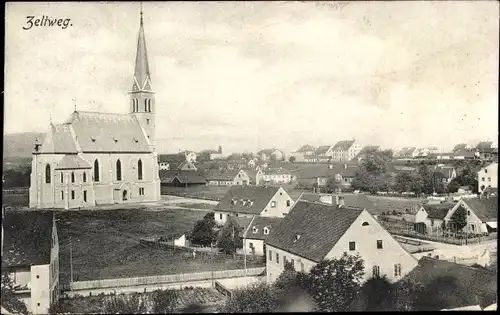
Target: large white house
{"points": [[249, 201], [482, 215], [314, 231], [488, 177], [30, 255], [101, 158]]}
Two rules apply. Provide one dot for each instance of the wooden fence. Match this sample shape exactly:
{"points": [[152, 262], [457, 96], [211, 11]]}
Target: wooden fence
{"points": [[450, 240], [163, 279]]}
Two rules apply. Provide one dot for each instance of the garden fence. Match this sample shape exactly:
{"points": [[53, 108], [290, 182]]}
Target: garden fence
{"points": [[163, 279]]}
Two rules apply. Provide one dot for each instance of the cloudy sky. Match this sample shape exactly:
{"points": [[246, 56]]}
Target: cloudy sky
{"points": [[250, 75]]}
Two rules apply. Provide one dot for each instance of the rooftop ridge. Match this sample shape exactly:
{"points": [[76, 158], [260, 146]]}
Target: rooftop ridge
{"points": [[457, 264]]}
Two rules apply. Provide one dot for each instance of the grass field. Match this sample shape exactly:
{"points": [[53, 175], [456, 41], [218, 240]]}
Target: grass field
{"points": [[17, 200], [105, 244]]}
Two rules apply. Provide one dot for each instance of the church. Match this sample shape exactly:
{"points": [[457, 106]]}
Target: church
{"points": [[101, 158]]}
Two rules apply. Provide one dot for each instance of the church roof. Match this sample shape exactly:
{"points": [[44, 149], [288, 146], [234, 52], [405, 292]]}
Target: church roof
{"points": [[104, 132], [59, 139], [69, 162]]}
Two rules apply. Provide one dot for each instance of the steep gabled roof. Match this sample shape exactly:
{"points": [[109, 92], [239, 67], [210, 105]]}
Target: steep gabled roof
{"points": [[465, 153], [460, 146], [260, 223], [343, 145], [246, 199], [27, 238], [168, 158], [350, 200], [320, 227], [471, 281], [438, 211], [142, 79], [189, 177], [69, 162], [484, 145], [221, 175], [486, 209], [59, 139], [322, 149], [306, 148]]}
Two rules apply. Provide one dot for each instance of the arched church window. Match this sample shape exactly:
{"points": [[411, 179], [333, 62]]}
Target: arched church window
{"points": [[96, 171], [149, 105], [72, 177], [47, 174], [84, 177], [139, 169], [62, 177], [145, 104], [118, 170]]}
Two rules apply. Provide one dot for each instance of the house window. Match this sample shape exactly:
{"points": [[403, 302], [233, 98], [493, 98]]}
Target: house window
{"points": [[266, 231], [489, 179], [472, 227], [270, 255], [139, 169], [273, 204], [37, 304], [376, 271], [379, 244], [255, 230], [288, 203], [147, 121], [277, 258], [365, 224], [47, 174], [293, 263], [468, 212], [397, 270], [38, 277], [486, 170], [482, 179], [72, 177], [62, 178], [96, 171], [85, 196], [141, 191], [352, 245], [146, 105], [72, 194], [84, 177], [62, 195], [118, 170], [220, 216]]}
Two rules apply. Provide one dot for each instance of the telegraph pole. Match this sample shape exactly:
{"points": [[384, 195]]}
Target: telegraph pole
{"points": [[70, 260]]}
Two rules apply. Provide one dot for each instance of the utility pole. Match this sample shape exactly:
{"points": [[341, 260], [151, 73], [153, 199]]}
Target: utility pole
{"points": [[70, 260]]}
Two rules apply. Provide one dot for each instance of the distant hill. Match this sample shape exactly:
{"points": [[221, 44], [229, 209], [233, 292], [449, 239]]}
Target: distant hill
{"points": [[20, 144]]}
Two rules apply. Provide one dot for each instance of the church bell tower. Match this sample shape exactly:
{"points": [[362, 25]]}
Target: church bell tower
{"points": [[142, 98]]}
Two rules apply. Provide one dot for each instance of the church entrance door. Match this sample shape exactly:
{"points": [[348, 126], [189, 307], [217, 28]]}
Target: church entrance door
{"points": [[124, 194]]}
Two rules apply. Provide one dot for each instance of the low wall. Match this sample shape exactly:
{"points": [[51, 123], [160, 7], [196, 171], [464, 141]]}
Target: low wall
{"points": [[164, 279]]}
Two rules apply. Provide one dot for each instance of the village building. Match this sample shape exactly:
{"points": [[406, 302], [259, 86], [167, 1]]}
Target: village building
{"points": [[30, 256], [449, 172], [407, 152], [271, 154], [210, 155], [227, 178], [313, 231], [430, 218], [181, 178], [252, 201], [277, 176], [101, 158], [256, 177], [482, 215], [345, 150], [256, 233], [487, 177], [173, 161]]}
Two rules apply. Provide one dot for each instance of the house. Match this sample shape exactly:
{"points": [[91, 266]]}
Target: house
{"points": [[210, 155], [256, 233], [180, 241], [488, 177], [182, 161], [317, 175], [445, 156], [461, 146], [312, 232], [489, 192], [277, 176], [30, 255], [460, 285], [482, 214], [271, 154], [101, 158], [485, 150], [345, 150], [464, 155], [365, 152], [449, 172], [248, 201], [252, 163], [256, 177], [407, 152], [227, 178], [187, 178], [261, 165], [306, 150], [430, 218]]}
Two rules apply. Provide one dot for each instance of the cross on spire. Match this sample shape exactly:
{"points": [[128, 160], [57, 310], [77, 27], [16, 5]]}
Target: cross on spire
{"points": [[74, 103], [141, 12]]}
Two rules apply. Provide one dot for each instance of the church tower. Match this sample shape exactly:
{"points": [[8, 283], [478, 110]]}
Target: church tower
{"points": [[142, 99]]}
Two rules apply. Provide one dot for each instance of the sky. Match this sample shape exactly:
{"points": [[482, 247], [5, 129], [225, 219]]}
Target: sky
{"points": [[253, 75]]}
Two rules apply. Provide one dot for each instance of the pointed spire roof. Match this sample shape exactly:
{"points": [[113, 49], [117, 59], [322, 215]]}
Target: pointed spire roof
{"points": [[142, 80]]}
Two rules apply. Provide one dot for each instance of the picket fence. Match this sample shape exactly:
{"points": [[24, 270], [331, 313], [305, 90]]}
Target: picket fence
{"points": [[162, 279]]}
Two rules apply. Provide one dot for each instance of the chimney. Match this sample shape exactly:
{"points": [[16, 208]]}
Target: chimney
{"points": [[345, 166], [339, 200], [326, 199]]}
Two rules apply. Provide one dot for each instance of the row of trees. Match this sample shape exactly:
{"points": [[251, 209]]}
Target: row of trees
{"points": [[374, 174], [19, 177]]}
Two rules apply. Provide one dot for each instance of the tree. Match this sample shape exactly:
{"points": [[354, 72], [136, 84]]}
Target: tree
{"points": [[203, 232], [459, 217], [255, 298], [443, 292], [125, 304], [375, 295], [9, 299], [404, 294], [292, 159], [333, 185], [453, 186], [229, 239], [165, 301], [334, 283]]}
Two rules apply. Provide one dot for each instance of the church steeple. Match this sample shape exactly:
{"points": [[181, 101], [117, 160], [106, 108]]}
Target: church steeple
{"points": [[142, 80], [142, 100]]}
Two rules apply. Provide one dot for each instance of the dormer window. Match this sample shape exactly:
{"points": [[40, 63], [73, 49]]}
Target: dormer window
{"points": [[115, 140], [233, 202], [365, 223], [255, 230], [135, 140], [266, 231], [250, 203], [244, 202], [93, 139], [297, 237]]}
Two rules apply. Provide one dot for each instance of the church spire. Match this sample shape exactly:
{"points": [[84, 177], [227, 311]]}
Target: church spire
{"points": [[142, 80]]}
